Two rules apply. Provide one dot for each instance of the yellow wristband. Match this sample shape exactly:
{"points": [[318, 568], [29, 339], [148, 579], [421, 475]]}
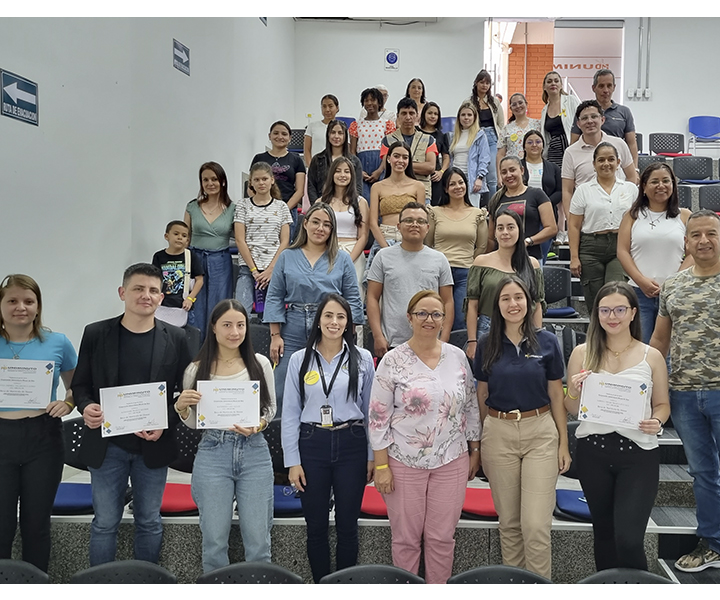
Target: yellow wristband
{"points": [[253, 269], [192, 299], [572, 397], [71, 405], [379, 467]]}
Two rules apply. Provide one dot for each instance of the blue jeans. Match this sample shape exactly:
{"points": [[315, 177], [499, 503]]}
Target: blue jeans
{"points": [[295, 332], [459, 289], [217, 285], [696, 416], [109, 485], [483, 325], [491, 178], [370, 161], [648, 313], [245, 288], [230, 466], [544, 249], [337, 461]]}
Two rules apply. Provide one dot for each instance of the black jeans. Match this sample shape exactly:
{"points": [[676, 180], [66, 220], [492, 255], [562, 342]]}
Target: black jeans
{"points": [[334, 460], [31, 464], [620, 482]]}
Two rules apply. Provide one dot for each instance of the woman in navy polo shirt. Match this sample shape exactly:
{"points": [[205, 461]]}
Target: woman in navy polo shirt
{"points": [[524, 441]]}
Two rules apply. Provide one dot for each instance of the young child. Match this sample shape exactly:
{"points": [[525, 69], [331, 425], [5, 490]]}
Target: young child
{"points": [[179, 267]]}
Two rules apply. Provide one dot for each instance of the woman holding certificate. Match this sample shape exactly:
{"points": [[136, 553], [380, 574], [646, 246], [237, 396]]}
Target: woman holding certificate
{"points": [[31, 446], [231, 464], [324, 436], [524, 445], [618, 466]]}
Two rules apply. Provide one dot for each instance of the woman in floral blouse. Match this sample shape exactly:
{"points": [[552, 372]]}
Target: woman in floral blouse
{"points": [[423, 417]]}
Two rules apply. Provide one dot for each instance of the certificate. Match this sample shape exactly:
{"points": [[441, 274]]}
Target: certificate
{"points": [[612, 400], [227, 403], [132, 408], [26, 383]]}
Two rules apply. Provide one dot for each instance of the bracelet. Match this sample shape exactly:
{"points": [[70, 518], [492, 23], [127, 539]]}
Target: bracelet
{"points": [[191, 299], [659, 421], [472, 341], [379, 467], [475, 449], [179, 412], [253, 269], [571, 397], [276, 333], [71, 405], [262, 426]]}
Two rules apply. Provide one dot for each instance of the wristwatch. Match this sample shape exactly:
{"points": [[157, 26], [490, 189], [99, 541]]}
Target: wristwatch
{"points": [[528, 241]]}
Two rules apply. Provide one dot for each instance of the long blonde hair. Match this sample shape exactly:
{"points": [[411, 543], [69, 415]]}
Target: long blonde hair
{"points": [[472, 130]]}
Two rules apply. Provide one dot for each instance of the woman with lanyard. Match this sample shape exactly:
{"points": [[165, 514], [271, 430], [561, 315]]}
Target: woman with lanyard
{"points": [[424, 421], [519, 369], [288, 169], [511, 258], [431, 123], [31, 444], [492, 121], [530, 203], [336, 145], [541, 173], [510, 142], [324, 438], [619, 467], [459, 231], [311, 267], [210, 219], [651, 240], [232, 464], [596, 210]]}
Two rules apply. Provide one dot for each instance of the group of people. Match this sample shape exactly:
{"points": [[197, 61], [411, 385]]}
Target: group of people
{"points": [[418, 424]]}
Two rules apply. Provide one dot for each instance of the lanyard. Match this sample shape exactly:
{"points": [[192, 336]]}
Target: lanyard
{"points": [[327, 389]]}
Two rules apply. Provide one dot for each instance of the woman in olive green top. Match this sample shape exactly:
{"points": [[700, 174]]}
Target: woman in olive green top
{"points": [[487, 271]]}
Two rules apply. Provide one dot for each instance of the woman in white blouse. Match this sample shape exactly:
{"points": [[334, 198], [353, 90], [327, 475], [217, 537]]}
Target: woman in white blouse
{"points": [[596, 209], [651, 240]]}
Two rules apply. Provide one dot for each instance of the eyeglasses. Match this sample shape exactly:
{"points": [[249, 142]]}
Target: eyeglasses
{"points": [[423, 316], [618, 311], [534, 143], [585, 118], [411, 221], [319, 223]]}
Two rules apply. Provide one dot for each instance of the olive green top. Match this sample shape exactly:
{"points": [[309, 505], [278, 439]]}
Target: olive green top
{"points": [[482, 284]]}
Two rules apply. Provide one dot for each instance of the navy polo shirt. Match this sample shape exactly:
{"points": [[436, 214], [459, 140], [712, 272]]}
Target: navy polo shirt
{"points": [[519, 379]]}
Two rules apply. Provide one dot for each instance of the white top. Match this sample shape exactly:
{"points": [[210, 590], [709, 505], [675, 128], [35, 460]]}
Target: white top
{"points": [[317, 130], [267, 368], [657, 245], [639, 372], [460, 152], [346, 224], [602, 211], [535, 173]]}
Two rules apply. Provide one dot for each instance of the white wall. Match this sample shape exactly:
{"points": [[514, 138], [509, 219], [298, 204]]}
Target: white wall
{"points": [[121, 137], [345, 58]]}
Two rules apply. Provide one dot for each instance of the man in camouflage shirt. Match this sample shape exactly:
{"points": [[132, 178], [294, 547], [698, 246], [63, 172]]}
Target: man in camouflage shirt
{"points": [[688, 324]]}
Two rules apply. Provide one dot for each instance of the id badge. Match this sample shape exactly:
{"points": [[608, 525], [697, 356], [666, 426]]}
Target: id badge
{"points": [[326, 418]]}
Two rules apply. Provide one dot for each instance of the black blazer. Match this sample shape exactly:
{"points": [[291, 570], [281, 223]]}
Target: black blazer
{"points": [[98, 368], [551, 182]]}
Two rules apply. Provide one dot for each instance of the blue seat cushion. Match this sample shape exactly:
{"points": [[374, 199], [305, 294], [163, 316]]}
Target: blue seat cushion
{"points": [[562, 312], [286, 504], [73, 499], [571, 504]]}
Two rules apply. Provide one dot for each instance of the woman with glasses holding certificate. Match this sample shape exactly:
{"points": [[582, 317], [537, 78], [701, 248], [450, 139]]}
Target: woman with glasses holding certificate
{"points": [[231, 464], [618, 466], [423, 420], [31, 445], [324, 438]]}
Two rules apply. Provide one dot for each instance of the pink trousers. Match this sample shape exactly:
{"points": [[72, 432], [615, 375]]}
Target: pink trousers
{"points": [[425, 508]]}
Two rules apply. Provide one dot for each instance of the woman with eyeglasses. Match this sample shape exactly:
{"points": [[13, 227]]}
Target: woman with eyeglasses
{"points": [[425, 431], [324, 432], [596, 210], [619, 467], [510, 258], [311, 267], [510, 141], [519, 369]]}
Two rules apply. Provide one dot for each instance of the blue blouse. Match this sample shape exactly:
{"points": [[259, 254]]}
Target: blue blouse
{"points": [[519, 379], [294, 281]]}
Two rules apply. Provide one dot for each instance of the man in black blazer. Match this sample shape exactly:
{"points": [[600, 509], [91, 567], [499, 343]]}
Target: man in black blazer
{"points": [[130, 349]]}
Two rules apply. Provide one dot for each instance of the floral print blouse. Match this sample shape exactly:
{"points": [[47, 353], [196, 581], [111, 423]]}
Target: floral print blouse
{"points": [[423, 416]]}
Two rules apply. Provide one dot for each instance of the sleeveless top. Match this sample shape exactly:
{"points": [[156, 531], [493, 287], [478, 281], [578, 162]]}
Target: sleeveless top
{"points": [[394, 203], [346, 224], [657, 245], [639, 372]]}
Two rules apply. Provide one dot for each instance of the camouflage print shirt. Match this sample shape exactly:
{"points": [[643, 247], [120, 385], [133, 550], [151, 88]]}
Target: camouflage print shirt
{"points": [[693, 305]]}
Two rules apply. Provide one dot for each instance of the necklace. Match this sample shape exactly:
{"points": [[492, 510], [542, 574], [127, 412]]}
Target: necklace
{"points": [[617, 354], [654, 222], [16, 353]]}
